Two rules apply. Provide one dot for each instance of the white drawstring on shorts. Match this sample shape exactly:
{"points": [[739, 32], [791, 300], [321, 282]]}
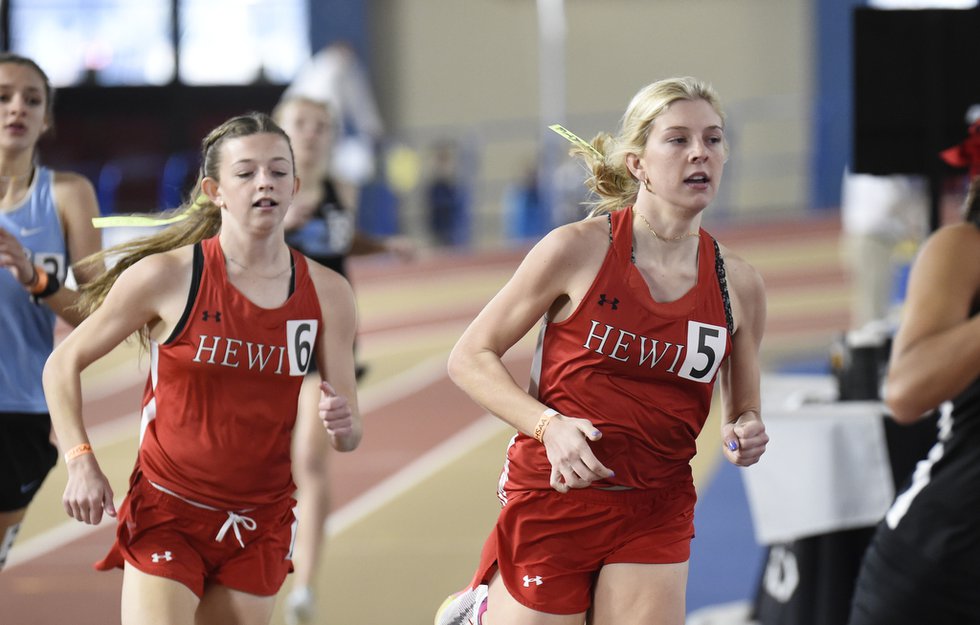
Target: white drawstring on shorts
{"points": [[233, 521]]}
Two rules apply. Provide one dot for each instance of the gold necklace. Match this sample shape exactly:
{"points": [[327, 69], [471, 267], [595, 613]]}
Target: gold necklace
{"points": [[246, 268], [657, 236]]}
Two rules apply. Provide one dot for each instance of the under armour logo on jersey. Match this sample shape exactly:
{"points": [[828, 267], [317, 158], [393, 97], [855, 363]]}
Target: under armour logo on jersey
{"points": [[166, 556], [207, 315], [536, 580], [613, 303]]}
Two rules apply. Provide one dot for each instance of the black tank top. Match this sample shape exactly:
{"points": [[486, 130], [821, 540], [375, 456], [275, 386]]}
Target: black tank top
{"points": [[923, 566]]}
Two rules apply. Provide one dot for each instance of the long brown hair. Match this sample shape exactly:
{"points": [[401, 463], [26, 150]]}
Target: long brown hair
{"points": [[201, 218]]}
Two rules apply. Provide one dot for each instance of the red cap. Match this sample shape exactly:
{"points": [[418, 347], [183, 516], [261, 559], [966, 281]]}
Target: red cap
{"points": [[967, 153]]}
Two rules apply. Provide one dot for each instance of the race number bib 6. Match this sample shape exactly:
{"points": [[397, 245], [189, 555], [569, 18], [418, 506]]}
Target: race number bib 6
{"points": [[300, 344]]}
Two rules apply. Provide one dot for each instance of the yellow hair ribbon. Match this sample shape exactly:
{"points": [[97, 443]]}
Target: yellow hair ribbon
{"points": [[575, 139], [137, 221], [117, 221]]}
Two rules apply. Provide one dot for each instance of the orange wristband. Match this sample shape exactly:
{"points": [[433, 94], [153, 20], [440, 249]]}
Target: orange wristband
{"points": [[40, 281], [77, 450], [543, 424]]}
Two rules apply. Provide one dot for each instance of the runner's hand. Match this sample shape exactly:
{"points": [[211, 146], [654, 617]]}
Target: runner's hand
{"points": [[573, 465], [744, 441], [335, 413], [15, 257], [88, 493]]}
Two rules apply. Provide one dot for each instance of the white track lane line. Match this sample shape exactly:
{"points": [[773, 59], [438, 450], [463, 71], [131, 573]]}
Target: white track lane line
{"points": [[421, 469]]}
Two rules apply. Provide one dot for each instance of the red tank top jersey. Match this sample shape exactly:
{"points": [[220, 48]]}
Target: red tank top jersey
{"points": [[220, 401], [641, 371]]}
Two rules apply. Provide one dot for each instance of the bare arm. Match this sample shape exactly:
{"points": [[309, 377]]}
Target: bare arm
{"points": [[335, 360], [936, 352], [75, 199], [742, 430], [76, 205], [145, 294], [552, 279]]}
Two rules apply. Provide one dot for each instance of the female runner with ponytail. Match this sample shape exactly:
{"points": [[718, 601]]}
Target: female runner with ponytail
{"points": [[233, 319]]}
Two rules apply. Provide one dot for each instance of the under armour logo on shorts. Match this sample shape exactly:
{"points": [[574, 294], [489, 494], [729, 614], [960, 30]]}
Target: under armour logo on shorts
{"points": [[166, 556], [536, 579]]}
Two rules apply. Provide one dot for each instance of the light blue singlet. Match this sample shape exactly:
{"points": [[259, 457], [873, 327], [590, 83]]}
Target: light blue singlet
{"points": [[26, 328]]}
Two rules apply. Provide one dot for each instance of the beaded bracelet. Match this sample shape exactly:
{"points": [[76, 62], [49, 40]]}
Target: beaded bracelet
{"points": [[77, 450], [543, 424]]}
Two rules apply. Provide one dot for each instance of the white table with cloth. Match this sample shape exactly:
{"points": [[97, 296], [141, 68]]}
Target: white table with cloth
{"points": [[826, 467], [827, 478]]}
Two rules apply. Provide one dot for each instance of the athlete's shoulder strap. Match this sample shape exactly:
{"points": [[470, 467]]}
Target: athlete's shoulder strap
{"points": [[723, 283], [197, 270]]}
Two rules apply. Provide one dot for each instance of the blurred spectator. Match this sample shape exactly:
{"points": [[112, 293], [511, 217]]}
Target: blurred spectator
{"points": [[528, 215], [445, 198], [571, 193], [336, 76], [884, 218]]}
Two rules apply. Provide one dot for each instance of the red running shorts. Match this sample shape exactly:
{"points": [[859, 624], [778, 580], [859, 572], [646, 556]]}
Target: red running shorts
{"points": [[549, 547], [163, 535]]}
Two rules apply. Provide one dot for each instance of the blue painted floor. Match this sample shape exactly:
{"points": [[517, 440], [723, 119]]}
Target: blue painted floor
{"points": [[726, 561]]}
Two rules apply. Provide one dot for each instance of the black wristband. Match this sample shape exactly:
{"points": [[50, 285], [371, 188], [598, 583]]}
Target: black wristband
{"points": [[53, 286]]}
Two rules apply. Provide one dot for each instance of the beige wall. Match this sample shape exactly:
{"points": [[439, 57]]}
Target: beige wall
{"points": [[469, 69]]}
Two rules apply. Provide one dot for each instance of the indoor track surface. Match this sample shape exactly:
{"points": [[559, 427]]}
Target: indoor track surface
{"points": [[413, 504]]}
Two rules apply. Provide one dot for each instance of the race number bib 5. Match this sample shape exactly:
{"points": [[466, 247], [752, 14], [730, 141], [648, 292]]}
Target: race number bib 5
{"points": [[704, 353]]}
